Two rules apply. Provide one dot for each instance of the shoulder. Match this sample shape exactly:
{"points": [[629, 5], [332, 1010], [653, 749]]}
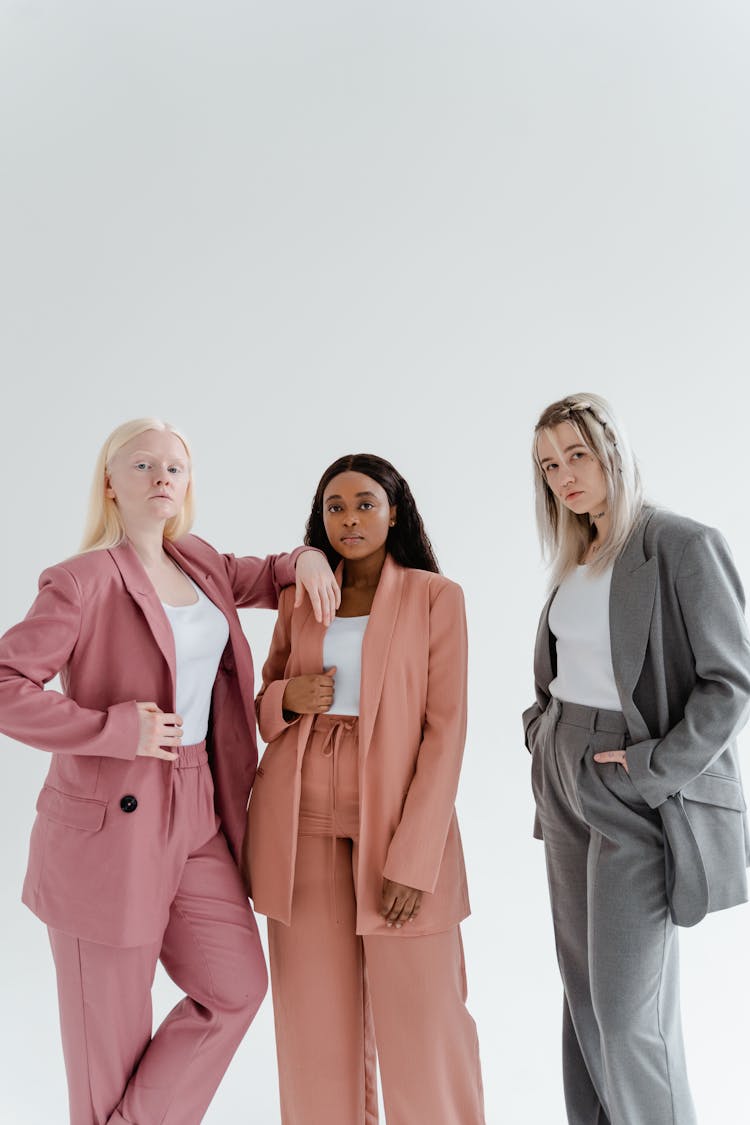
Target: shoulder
{"points": [[431, 585], [669, 531], [82, 570], [197, 549]]}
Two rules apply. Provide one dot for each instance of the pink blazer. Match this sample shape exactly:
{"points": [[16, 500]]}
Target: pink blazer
{"points": [[412, 729], [93, 868]]}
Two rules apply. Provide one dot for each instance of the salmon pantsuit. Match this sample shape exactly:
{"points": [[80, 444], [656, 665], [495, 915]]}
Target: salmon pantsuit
{"points": [[338, 804]]}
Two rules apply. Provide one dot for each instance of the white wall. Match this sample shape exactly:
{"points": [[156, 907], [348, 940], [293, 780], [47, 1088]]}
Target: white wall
{"points": [[298, 230]]}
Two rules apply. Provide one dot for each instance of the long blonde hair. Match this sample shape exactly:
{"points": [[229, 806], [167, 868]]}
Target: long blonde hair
{"points": [[564, 535], [104, 527]]}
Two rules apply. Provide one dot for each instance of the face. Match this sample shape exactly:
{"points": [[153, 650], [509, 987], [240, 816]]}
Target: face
{"points": [[148, 478], [571, 470], [356, 515]]}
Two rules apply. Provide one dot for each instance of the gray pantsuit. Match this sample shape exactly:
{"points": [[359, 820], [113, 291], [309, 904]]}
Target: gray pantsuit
{"points": [[631, 854], [623, 1056]]}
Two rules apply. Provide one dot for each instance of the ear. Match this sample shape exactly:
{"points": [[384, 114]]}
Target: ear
{"points": [[109, 491], [392, 517]]}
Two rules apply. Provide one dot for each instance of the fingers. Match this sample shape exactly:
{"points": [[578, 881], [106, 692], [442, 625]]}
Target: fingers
{"points": [[400, 904], [619, 757]]}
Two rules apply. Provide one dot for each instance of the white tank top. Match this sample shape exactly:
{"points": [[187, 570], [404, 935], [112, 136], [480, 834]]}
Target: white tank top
{"points": [[200, 633], [579, 620], [342, 647]]}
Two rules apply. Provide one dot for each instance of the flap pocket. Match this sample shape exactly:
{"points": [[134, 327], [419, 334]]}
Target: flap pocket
{"points": [[75, 812], [716, 789]]}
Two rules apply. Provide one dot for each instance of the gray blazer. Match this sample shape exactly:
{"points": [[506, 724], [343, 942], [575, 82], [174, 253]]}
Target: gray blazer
{"points": [[681, 656]]}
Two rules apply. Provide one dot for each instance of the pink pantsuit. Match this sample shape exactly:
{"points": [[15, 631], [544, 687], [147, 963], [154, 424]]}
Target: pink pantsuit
{"points": [[337, 804], [133, 858]]}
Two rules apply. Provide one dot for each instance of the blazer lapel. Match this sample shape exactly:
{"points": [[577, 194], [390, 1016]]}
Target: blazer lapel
{"points": [[543, 670], [141, 589], [376, 646], [631, 605]]}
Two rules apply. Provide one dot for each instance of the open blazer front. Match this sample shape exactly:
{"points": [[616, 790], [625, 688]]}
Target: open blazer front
{"points": [[95, 869], [681, 657], [412, 728]]}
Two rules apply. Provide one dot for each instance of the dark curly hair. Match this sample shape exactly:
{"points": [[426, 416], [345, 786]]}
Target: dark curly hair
{"points": [[407, 541]]}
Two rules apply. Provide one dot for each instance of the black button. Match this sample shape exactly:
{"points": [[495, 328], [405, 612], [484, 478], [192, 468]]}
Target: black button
{"points": [[128, 804]]}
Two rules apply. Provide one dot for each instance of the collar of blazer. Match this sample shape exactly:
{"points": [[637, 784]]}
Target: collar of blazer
{"points": [[631, 605], [140, 587], [375, 646]]}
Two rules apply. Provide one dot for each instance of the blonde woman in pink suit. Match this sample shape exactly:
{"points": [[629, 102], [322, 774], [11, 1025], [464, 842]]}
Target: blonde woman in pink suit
{"points": [[142, 814], [353, 846]]}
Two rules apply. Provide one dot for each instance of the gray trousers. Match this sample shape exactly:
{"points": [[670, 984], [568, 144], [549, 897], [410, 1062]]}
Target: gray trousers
{"points": [[623, 1054]]}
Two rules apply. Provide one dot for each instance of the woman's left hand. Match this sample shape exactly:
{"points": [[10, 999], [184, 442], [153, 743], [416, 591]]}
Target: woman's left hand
{"points": [[399, 903], [618, 756], [315, 576]]}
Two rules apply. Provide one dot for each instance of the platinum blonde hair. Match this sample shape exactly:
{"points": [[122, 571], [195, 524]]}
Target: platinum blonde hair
{"points": [[104, 527], [564, 535]]}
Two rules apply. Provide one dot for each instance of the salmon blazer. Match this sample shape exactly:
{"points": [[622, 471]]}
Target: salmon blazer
{"points": [[94, 869], [412, 729]]}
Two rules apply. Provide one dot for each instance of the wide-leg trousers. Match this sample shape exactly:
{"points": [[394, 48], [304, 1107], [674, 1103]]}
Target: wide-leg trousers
{"points": [[623, 1053], [118, 1073], [340, 998]]}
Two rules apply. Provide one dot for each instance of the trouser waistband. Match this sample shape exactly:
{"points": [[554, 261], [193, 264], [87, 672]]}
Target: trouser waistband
{"points": [[590, 718], [191, 756]]}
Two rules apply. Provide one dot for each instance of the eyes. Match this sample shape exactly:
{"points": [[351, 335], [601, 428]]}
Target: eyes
{"points": [[364, 506], [144, 466], [551, 465]]}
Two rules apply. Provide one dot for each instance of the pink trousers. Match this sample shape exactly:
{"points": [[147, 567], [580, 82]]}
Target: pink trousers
{"points": [[117, 1072], [340, 999]]}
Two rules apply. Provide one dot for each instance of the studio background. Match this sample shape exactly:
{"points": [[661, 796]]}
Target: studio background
{"points": [[300, 230]]}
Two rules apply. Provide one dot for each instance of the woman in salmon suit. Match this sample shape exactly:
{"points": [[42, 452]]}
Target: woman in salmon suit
{"points": [[153, 754], [353, 846]]}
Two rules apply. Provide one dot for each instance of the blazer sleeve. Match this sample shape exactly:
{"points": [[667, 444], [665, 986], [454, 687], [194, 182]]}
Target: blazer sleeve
{"points": [[271, 715], [416, 849], [712, 605], [258, 582], [31, 654]]}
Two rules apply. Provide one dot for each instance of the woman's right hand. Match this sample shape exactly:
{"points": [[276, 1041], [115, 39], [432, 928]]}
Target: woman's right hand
{"points": [[158, 729], [309, 695]]}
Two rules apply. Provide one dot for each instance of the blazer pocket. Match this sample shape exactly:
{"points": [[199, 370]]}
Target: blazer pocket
{"points": [[83, 813], [715, 789]]}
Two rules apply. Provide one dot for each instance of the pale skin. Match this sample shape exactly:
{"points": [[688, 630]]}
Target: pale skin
{"points": [[357, 517], [575, 475], [148, 479]]}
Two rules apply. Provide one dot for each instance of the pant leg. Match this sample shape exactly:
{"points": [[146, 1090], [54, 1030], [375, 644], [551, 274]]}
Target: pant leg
{"points": [[427, 1042], [211, 950], [634, 956], [105, 1017], [557, 751], [323, 1031]]}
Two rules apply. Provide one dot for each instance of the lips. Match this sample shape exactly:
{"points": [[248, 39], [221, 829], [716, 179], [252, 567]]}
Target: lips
{"points": [[352, 538], [572, 495]]}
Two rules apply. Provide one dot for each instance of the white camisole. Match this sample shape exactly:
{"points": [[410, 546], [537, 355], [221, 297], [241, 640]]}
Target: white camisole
{"points": [[200, 633], [342, 648], [579, 620]]}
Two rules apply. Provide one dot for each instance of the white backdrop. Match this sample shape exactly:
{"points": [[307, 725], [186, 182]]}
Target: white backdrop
{"points": [[298, 230]]}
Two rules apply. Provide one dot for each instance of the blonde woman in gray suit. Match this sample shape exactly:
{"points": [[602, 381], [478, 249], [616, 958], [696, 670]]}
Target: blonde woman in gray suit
{"points": [[642, 675]]}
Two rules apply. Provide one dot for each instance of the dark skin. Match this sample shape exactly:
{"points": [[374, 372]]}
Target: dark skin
{"points": [[357, 517]]}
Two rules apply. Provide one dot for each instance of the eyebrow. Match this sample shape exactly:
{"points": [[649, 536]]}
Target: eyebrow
{"points": [[575, 445], [337, 497], [145, 453]]}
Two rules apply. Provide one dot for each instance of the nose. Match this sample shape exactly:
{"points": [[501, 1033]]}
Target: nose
{"points": [[161, 477], [351, 519]]}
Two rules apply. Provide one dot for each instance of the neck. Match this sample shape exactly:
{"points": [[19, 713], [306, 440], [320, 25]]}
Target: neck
{"points": [[364, 572], [148, 543], [600, 522]]}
